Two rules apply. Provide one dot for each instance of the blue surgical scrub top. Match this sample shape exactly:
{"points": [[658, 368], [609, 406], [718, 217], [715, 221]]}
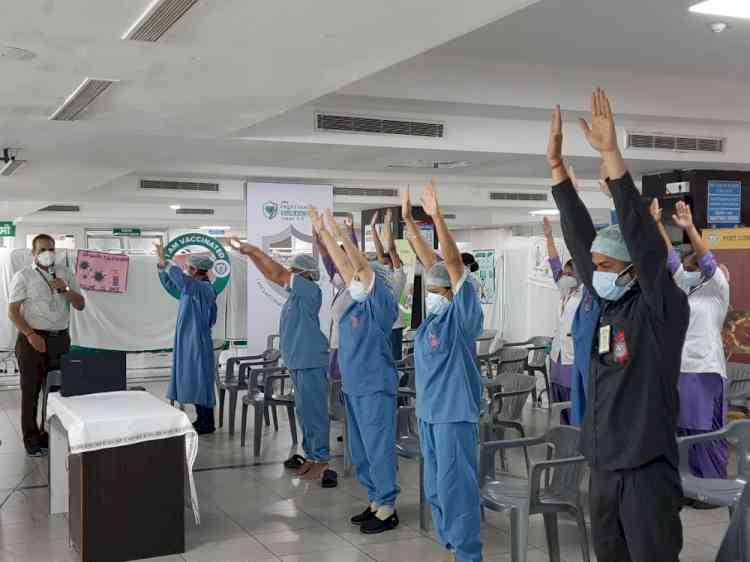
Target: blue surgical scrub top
{"points": [[584, 327], [365, 351], [449, 387], [303, 345]]}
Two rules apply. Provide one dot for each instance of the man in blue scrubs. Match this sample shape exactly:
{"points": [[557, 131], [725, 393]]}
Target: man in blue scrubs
{"points": [[194, 366], [370, 379], [304, 350], [449, 387]]}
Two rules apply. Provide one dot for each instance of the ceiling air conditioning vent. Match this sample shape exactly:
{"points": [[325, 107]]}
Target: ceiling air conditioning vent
{"points": [[675, 143], [517, 196], [82, 97], [373, 125], [61, 209], [194, 211], [449, 216], [179, 185], [157, 19], [370, 192]]}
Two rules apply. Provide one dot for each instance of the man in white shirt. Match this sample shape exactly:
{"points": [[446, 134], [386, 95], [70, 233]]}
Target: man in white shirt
{"points": [[40, 299]]}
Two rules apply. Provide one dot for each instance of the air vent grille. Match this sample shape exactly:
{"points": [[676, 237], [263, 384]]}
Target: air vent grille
{"points": [[517, 196], [369, 192], [194, 211], [180, 185], [83, 96], [157, 20], [373, 125], [61, 209], [675, 143]]}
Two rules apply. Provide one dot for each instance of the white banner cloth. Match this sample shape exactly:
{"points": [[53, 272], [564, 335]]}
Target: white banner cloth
{"points": [[116, 419]]}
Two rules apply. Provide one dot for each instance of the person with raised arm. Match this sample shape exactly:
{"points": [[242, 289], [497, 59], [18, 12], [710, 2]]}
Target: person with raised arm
{"points": [[398, 283], [304, 350], [370, 379], [562, 353], [631, 418], [449, 387], [702, 384]]}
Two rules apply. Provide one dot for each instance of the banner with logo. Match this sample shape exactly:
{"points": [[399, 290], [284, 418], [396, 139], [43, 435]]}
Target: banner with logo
{"points": [[278, 224], [181, 248]]}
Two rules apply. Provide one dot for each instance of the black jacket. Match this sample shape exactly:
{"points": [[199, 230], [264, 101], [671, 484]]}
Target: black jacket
{"points": [[632, 401]]}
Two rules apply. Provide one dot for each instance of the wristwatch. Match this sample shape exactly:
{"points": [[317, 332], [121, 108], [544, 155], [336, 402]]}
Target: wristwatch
{"points": [[67, 289]]}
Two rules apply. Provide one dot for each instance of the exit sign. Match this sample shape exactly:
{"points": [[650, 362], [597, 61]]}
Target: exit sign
{"points": [[7, 229], [134, 232]]}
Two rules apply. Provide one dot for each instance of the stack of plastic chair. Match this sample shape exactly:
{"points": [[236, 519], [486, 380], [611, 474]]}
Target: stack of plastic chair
{"points": [[407, 446], [233, 383], [735, 546], [538, 349], [508, 394], [717, 491], [540, 493], [739, 386], [261, 395]]}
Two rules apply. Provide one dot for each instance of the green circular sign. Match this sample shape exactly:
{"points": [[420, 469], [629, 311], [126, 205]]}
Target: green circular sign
{"points": [[222, 265]]}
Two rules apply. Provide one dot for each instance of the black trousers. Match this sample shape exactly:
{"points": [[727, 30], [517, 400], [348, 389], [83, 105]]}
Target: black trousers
{"points": [[205, 418], [635, 513]]}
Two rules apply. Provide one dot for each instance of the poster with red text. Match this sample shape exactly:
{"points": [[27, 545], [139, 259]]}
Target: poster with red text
{"points": [[102, 271]]}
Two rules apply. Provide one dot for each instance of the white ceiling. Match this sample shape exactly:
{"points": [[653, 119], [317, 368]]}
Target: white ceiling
{"points": [[230, 92]]}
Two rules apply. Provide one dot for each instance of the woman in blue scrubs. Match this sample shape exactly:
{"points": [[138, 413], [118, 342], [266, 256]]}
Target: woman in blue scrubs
{"points": [[449, 387], [304, 350], [370, 379]]}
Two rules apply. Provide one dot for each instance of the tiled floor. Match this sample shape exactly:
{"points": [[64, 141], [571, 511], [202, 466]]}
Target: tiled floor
{"points": [[253, 510]]}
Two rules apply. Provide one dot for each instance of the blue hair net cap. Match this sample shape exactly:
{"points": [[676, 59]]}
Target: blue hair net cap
{"points": [[305, 263], [204, 263], [610, 242], [438, 276]]}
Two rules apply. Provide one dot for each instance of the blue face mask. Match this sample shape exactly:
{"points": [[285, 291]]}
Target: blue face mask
{"points": [[606, 285], [357, 291], [436, 304], [686, 280]]}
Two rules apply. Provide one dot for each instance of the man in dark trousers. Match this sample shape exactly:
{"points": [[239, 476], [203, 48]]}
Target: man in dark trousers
{"points": [[41, 296], [632, 404]]}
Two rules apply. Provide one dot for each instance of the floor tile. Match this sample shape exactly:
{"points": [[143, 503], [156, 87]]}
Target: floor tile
{"points": [[409, 550], [302, 542], [343, 555], [238, 550]]}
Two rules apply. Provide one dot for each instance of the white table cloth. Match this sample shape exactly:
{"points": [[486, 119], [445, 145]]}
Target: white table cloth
{"points": [[116, 419]]}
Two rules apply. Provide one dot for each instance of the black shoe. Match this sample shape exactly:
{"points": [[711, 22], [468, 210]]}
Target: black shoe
{"points": [[202, 430], [366, 515], [36, 451], [375, 525]]}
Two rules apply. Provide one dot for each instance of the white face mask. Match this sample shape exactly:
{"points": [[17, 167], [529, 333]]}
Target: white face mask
{"points": [[567, 283], [436, 304], [686, 280], [357, 291], [46, 258]]}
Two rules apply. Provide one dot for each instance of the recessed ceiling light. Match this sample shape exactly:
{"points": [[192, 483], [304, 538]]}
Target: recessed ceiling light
{"points": [[175, 207], [725, 8], [545, 213], [718, 26]]}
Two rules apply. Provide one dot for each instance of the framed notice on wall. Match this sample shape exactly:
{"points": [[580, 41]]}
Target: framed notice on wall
{"points": [[486, 275], [724, 203]]}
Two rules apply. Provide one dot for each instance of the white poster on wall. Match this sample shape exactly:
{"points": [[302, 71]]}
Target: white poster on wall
{"points": [[278, 224]]}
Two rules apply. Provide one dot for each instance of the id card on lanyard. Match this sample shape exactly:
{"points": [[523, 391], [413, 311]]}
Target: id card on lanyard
{"points": [[605, 336]]}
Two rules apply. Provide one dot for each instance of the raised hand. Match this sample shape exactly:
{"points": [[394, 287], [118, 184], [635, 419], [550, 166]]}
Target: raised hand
{"points": [[332, 224], [406, 203], [554, 146], [683, 217], [547, 228], [655, 210], [159, 247], [349, 221], [429, 199], [374, 219], [601, 133], [317, 221]]}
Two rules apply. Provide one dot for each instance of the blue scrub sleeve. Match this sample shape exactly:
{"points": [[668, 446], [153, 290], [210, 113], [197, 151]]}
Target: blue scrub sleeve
{"points": [[383, 304], [468, 310], [308, 292], [184, 283]]}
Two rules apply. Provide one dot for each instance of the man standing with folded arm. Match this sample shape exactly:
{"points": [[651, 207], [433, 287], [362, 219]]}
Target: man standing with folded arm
{"points": [[41, 295], [632, 402]]}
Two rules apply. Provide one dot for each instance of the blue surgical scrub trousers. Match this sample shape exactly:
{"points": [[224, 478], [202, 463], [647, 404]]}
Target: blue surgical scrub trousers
{"points": [[311, 403], [371, 424], [451, 485]]}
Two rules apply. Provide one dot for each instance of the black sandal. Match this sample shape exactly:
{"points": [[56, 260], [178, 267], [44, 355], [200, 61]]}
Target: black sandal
{"points": [[294, 462], [330, 479]]}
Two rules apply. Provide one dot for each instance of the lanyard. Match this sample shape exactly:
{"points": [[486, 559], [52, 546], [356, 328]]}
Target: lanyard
{"points": [[51, 290]]}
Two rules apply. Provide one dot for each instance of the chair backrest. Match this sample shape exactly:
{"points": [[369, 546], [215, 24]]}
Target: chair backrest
{"points": [[735, 546], [487, 338], [271, 340], [512, 360], [272, 356], [564, 442], [739, 431], [406, 422], [739, 381], [510, 398]]}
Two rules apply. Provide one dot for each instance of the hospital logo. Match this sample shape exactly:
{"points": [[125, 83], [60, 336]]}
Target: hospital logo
{"points": [[270, 209], [200, 243], [434, 341], [355, 321]]}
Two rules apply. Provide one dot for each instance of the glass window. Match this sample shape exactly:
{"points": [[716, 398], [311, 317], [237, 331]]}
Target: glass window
{"points": [[62, 241]]}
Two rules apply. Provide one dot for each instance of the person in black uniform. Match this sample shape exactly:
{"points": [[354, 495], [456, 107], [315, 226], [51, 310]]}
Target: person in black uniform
{"points": [[631, 419]]}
